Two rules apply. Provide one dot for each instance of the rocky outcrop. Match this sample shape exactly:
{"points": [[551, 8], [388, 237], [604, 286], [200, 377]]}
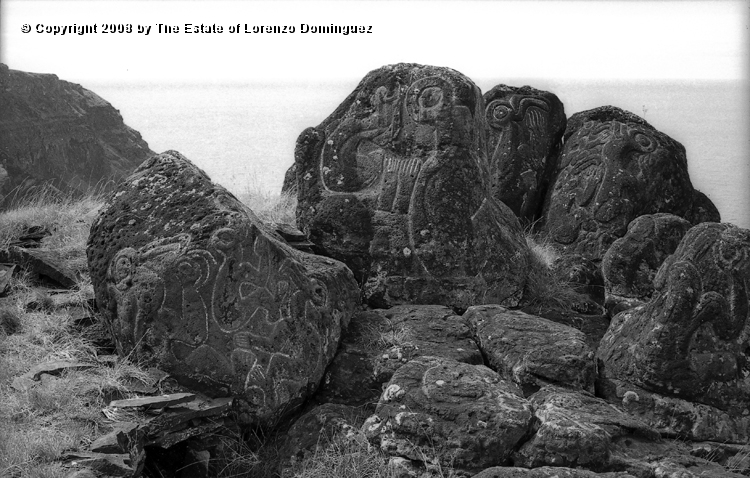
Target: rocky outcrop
{"points": [[631, 263], [393, 183], [546, 472], [614, 167], [189, 280], [60, 134], [532, 351], [525, 128], [378, 342], [690, 341], [445, 412], [576, 429]]}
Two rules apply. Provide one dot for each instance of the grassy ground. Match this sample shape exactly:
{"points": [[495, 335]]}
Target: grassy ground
{"points": [[60, 413], [64, 413]]}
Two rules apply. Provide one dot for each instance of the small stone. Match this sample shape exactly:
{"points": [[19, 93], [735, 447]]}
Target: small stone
{"points": [[154, 402]]}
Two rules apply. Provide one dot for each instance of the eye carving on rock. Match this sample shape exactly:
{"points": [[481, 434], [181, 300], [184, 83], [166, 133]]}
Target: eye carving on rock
{"points": [[426, 99], [516, 108]]}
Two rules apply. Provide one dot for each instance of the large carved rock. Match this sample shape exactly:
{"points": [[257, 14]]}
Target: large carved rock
{"points": [[189, 280], [61, 134], [613, 168], [438, 410], [532, 351], [692, 339], [631, 263], [525, 128], [392, 183]]}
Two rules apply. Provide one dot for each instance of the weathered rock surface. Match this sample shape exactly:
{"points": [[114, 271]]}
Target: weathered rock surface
{"points": [[532, 351], [378, 342], [189, 281], [576, 429], [154, 402], [614, 167], [691, 339], [441, 411], [42, 266], [59, 133], [392, 183], [350, 378], [630, 265], [525, 128], [677, 417], [546, 472]]}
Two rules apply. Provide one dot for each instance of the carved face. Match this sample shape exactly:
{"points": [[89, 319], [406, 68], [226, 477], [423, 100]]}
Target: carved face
{"points": [[392, 126], [610, 173], [524, 126]]}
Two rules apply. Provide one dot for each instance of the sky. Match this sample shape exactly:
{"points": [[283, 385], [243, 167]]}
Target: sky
{"points": [[530, 39], [542, 43]]}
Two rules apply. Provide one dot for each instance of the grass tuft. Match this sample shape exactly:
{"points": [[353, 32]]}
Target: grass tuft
{"points": [[271, 208], [546, 288], [68, 220], [345, 458]]}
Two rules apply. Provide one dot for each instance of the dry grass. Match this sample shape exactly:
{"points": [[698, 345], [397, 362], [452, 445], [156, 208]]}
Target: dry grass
{"points": [[545, 288], [345, 458], [271, 208], [354, 457], [61, 412], [67, 218]]}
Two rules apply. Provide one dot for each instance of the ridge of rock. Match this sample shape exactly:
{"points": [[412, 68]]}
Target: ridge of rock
{"points": [[57, 133]]}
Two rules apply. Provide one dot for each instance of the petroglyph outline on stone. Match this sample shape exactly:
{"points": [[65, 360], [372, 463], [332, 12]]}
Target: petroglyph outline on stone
{"points": [[261, 300]]}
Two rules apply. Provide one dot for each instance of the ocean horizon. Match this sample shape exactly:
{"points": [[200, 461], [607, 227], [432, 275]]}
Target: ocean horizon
{"points": [[243, 135]]}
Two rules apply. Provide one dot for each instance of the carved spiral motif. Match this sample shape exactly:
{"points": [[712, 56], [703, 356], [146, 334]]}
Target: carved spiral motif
{"points": [[644, 142]]}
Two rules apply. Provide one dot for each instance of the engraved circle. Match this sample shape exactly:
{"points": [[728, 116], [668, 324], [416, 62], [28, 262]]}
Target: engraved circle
{"points": [[644, 142], [498, 113]]}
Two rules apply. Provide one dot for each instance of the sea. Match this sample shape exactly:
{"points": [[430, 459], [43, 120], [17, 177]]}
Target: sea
{"points": [[243, 135]]}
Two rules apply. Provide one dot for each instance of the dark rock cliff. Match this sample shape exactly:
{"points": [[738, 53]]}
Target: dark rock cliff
{"points": [[58, 133]]}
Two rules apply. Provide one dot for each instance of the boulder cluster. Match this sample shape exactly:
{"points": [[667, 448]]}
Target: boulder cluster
{"points": [[412, 310]]}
